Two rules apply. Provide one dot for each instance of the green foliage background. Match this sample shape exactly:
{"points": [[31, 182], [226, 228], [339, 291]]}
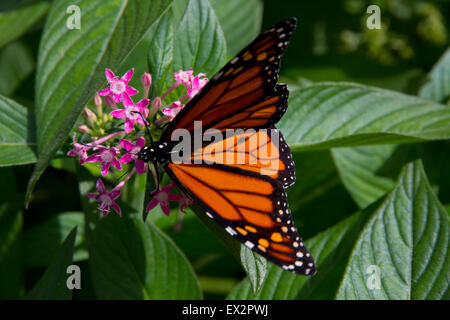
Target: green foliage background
{"points": [[368, 122]]}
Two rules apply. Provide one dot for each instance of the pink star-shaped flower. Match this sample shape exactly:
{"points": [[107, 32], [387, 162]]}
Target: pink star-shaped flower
{"points": [[162, 196], [198, 82], [106, 198], [184, 77], [106, 157], [118, 87], [132, 153], [129, 113], [173, 109], [78, 150]]}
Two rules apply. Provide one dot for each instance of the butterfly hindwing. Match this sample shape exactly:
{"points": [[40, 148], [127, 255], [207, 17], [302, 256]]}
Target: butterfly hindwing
{"points": [[251, 207]]}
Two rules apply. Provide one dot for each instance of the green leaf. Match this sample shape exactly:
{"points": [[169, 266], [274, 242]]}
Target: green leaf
{"points": [[71, 63], [240, 21], [17, 63], [42, 240], [438, 86], [255, 266], [187, 36], [329, 248], [404, 245], [327, 115], [130, 259], [16, 133], [10, 251], [17, 21], [358, 168], [52, 284]]}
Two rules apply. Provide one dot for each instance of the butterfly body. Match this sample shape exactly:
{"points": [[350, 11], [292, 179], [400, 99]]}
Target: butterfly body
{"points": [[158, 152], [247, 198]]}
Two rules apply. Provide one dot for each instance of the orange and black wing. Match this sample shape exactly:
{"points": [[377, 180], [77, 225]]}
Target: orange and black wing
{"points": [[251, 207], [262, 151], [244, 93]]}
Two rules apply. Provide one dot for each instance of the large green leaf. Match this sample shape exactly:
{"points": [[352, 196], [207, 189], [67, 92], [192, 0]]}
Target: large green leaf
{"points": [[42, 240], [53, 283], [327, 115], [358, 168], [405, 245], [438, 86], [15, 22], [17, 140], [17, 63], [240, 21], [329, 248], [71, 63], [130, 259], [188, 36]]}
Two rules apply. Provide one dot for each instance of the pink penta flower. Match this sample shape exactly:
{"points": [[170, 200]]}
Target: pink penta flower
{"points": [[132, 153], [173, 109], [106, 157], [130, 113], [162, 196], [118, 87], [184, 77], [78, 150], [198, 82], [106, 199]]}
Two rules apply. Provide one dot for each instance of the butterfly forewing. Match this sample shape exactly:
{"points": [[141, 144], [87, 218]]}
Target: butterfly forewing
{"points": [[244, 93]]}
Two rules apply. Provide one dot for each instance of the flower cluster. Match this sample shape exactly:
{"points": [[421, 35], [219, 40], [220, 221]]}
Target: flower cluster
{"points": [[108, 145]]}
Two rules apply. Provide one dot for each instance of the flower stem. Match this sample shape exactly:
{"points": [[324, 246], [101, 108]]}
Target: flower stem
{"points": [[101, 140]]}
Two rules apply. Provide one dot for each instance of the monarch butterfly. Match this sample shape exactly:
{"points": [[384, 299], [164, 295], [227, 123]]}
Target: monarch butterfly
{"points": [[248, 202]]}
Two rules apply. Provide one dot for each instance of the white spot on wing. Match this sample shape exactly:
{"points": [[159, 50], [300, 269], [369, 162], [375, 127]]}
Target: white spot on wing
{"points": [[230, 231], [249, 244]]}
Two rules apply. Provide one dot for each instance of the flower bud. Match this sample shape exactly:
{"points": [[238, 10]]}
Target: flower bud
{"points": [[109, 101], [98, 104], [146, 79], [90, 116], [147, 82], [84, 129], [156, 104], [98, 100]]}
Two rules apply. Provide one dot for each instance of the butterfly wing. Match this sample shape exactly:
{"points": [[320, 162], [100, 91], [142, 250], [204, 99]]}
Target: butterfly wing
{"points": [[263, 151], [244, 93], [250, 206]]}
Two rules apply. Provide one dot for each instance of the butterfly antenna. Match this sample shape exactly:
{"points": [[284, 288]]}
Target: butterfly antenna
{"points": [[146, 126]]}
